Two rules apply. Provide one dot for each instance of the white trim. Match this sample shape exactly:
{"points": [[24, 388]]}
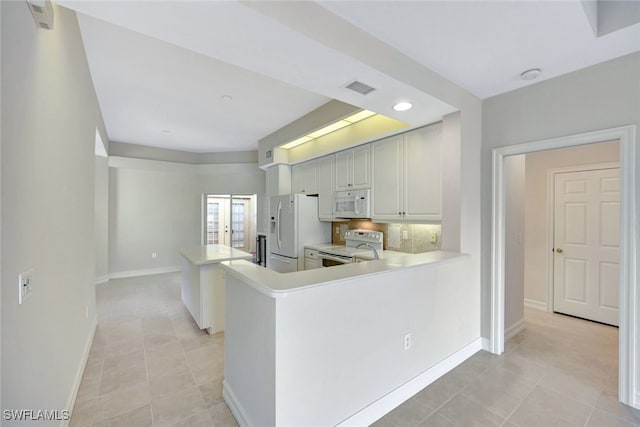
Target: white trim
{"points": [[536, 305], [102, 279], [387, 403], [629, 240], [71, 400], [234, 405], [146, 272], [551, 194], [514, 329]]}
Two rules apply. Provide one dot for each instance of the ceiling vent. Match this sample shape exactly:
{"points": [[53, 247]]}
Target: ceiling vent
{"points": [[42, 12], [361, 88]]}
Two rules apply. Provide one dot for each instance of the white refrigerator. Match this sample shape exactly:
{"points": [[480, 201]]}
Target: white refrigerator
{"points": [[293, 223]]}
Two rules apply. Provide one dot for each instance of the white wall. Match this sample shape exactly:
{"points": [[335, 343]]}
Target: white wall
{"points": [[156, 206], [50, 114], [101, 203], [536, 208], [514, 241], [281, 374], [603, 96]]}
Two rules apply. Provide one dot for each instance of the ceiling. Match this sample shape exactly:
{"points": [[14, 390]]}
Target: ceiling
{"points": [[210, 76]]}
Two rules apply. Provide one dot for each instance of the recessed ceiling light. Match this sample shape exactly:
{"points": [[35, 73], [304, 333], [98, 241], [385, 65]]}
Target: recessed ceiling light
{"points": [[530, 74], [226, 97], [402, 106]]}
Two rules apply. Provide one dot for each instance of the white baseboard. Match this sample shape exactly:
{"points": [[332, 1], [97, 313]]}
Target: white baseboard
{"points": [[536, 305], [102, 279], [80, 372], [147, 272], [636, 403], [514, 329], [384, 405], [234, 406]]}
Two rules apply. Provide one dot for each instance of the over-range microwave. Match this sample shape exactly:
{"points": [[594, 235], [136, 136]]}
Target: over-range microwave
{"points": [[352, 204]]}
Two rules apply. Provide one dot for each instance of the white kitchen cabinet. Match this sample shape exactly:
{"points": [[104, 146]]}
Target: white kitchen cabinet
{"points": [[386, 203], [311, 260], [326, 187], [407, 177], [304, 178], [353, 168]]}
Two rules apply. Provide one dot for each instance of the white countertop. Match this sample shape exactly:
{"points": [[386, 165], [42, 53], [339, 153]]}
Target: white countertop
{"points": [[279, 284], [212, 254]]}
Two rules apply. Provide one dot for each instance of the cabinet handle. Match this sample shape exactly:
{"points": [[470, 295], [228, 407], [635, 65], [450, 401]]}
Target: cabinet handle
{"points": [[399, 213], [404, 213], [349, 185]]}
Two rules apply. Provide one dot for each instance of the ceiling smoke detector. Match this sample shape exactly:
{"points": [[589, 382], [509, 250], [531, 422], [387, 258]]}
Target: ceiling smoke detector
{"points": [[530, 74], [361, 88]]}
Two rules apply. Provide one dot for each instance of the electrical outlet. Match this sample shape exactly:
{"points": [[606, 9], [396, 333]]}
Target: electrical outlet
{"points": [[407, 341], [337, 230], [434, 237], [25, 285], [405, 235], [154, 255]]}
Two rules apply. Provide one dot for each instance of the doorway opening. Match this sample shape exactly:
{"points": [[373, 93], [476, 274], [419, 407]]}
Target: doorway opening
{"points": [[230, 220], [628, 273]]}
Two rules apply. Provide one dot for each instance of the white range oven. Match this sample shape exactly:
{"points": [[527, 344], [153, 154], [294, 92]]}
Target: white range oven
{"points": [[346, 254]]}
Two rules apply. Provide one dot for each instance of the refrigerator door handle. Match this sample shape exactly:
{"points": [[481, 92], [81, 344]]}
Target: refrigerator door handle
{"points": [[278, 224]]}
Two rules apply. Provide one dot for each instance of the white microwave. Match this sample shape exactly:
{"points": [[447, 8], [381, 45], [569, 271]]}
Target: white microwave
{"points": [[352, 204]]}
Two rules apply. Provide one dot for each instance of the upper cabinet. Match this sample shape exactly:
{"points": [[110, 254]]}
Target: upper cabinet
{"points": [[407, 177], [326, 187], [304, 178], [353, 168]]}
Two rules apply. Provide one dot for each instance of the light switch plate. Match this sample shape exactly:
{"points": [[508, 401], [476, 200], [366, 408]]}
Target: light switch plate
{"points": [[25, 285]]}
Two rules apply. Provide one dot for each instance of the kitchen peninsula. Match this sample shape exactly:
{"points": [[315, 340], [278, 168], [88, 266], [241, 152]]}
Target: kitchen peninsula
{"points": [[203, 287], [344, 345]]}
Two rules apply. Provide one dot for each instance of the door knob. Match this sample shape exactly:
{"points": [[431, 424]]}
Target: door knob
{"points": [[559, 250]]}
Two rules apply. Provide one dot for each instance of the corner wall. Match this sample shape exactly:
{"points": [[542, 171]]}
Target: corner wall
{"points": [[514, 244], [50, 115]]}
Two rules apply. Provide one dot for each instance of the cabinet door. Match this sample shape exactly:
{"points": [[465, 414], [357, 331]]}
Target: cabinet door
{"points": [[422, 175], [344, 162], [326, 186], [297, 179], [310, 171], [361, 164], [310, 264], [386, 172], [304, 178]]}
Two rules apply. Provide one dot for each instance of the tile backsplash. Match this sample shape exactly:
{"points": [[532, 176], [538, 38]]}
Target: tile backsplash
{"points": [[410, 238]]}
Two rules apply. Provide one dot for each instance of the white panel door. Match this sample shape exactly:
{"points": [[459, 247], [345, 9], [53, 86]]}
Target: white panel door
{"points": [[586, 244]]}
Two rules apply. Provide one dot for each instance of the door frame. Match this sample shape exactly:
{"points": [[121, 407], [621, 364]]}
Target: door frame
{"points": [[629, 241], [551, 173]]}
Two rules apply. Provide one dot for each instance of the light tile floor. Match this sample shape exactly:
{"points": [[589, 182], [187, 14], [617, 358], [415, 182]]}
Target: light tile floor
{"points": [[151, 366], [558, 371]]}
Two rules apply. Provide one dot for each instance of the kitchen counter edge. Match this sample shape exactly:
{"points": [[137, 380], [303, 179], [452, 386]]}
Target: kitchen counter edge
{"points": [[213, 254], [276, 284]]}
